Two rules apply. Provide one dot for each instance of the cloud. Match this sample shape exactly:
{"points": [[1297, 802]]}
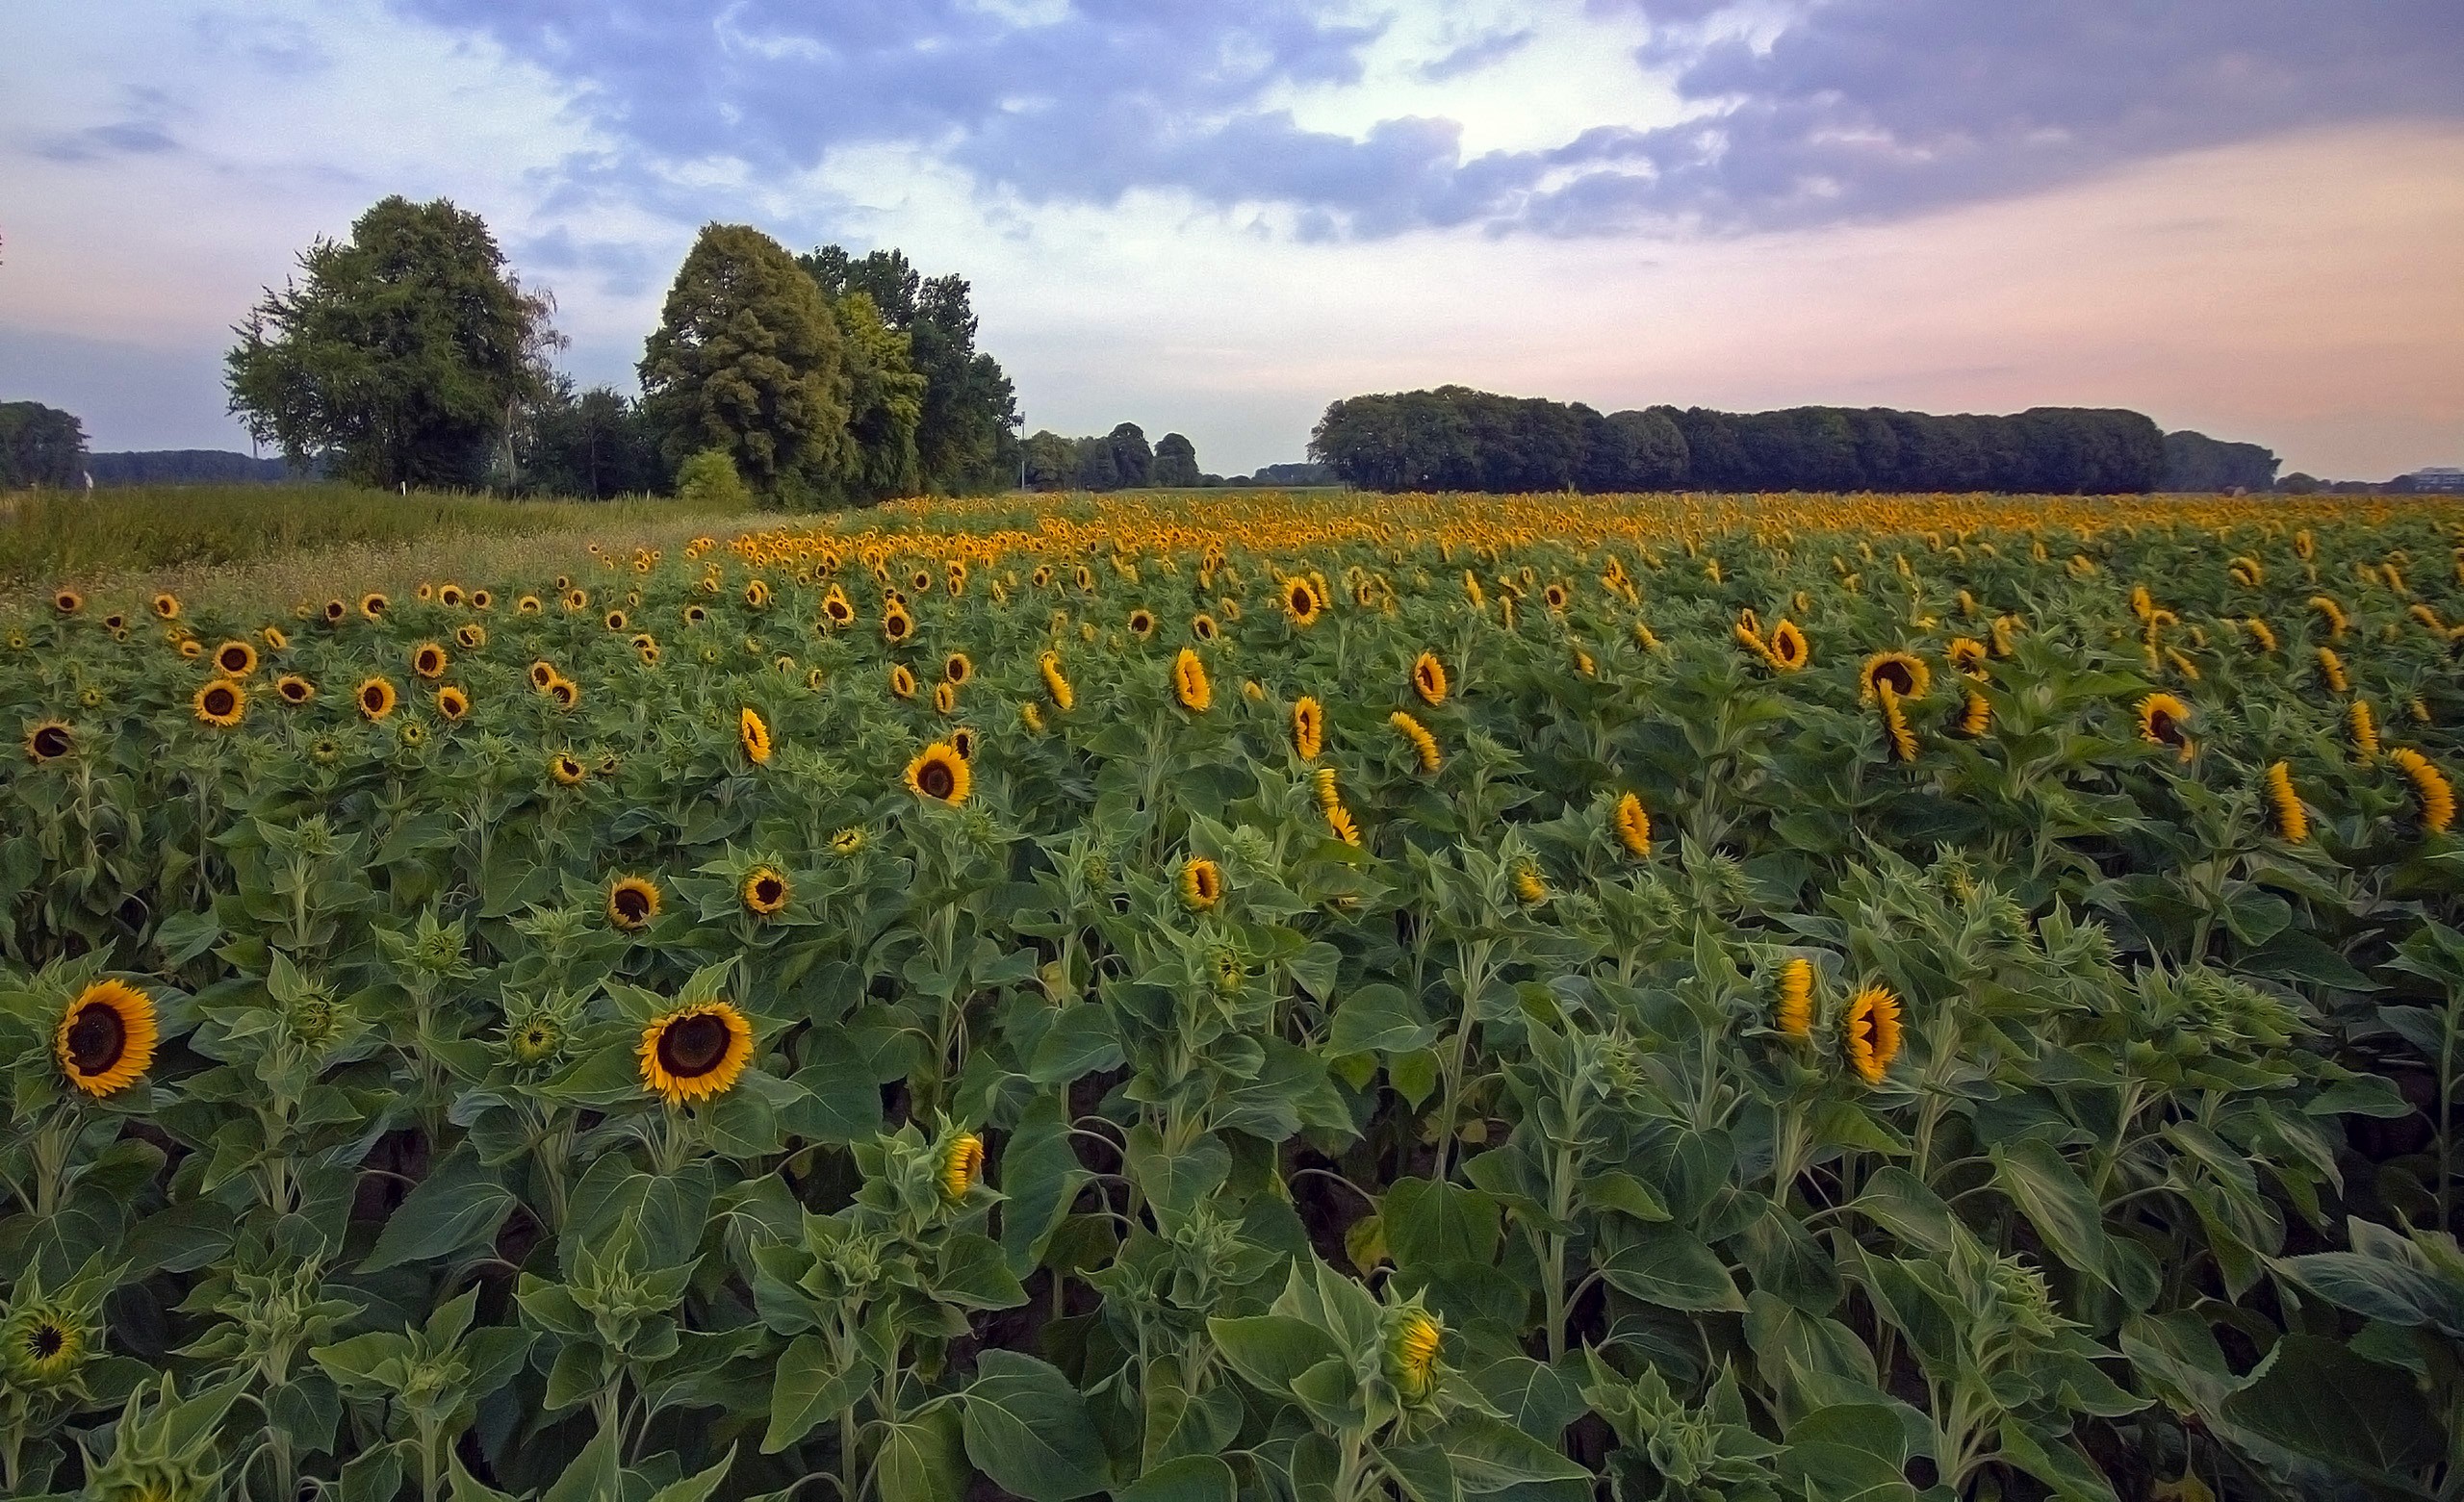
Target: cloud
{"points": [[1797, 112], [124, 137]]}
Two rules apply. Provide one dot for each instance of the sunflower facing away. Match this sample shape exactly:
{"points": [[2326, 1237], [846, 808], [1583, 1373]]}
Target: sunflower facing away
{"points": [[1429, 679], [695, 1053], [1794, 1015], [1873, 1032], [1308, 728], [2165, 721], [2292, 823], [105, 1037], [49, 739], [1190, 684], [939, 771], [765, 892], [1201, 884], [755, 735], [2365, 731], [221, 703], [376, 697], [632, 902], [1633, 825]]}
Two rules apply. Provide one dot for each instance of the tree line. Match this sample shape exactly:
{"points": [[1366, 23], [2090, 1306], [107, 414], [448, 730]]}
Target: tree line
{"points": [[410, 354], [1455, 438], [39, 445]]}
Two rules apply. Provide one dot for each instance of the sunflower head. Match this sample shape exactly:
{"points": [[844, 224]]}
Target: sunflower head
{"points": [[1429, 679], [1415, 1341], [567, 769], [897, 626], [1189, 683], [564, 693], [848, 841], [373, 606], [963, 740], [1202, 626], [1201, 884], [105, 1037], [1793, 1016], [49, 739], [765, 892], [1633, 826], [376, 697], [235, 659], [961, 1166], [452, 703], [754, 735], [940, 773], [1308, 727], [221, 703], [1789, 650], [292, 689], [1302, 601], [632, 902], [957, 667], [695, 1053], [542, 673], [1904, 674], [167, 606], [1141, 623], [67, 602], [1873, 1032], [2166, 721]]}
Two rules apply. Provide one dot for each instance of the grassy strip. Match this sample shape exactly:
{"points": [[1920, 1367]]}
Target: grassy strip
{"points": [[54, 536]]}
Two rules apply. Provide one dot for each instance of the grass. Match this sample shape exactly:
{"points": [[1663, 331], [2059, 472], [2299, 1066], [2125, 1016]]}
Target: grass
{"points": [[270, 544]]}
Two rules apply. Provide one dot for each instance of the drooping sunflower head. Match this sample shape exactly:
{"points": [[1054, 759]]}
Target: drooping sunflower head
{"points": [[1789, 651], [2166, 721], [765, 892], [1793, 1016], [961, 1166], [1873, 1032], [695, 1053], [632, 902], [1904, 674], [1201, 884], [1633, 825], [1189, 683], [1308, 727], [235, 659], [221, 703], [754, 734], [49, 739], [940, 773], [376, 697], [105, 1037]]}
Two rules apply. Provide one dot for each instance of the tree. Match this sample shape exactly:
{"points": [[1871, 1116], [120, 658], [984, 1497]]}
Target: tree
{"points": [[597, 444], [39, 446], [1133, 462], [1096, 470], [1052, 461], [748, 358], [399, 355], [1175, 461], [885, 402], [964, 438], [2197, 464]]}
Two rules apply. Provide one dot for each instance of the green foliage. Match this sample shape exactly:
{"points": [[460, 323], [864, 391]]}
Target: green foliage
{"points": [[39, 446], [401, 358], [962, 428], [709, 480]]}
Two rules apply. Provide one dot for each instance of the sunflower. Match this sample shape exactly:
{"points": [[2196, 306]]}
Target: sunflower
{"points": [[613, 620], [1201, 884], [190, 648], [957, 667], [1873, 1032], [1055, 682], [1794, 1015], [167, 606], [1633, 826], [1339, 822], [1308, 728], [2165, 721], [2332, 615], [448, 595], [276, 639], [481, 599], [1412, 1353], [1904, 674], [945, 696], [897, 626], [939, 771], [1976, 715], [451, 702], [336, 612], [1302, 601], [1429, 679], [2261, 632], [1202, 626], [902, 680], [1789, 651], [1529, 887], [542, 673], [757, 595], [376, 697], [105, 1037], [373, 605], [963, 740], [2437, 797], [43, 1347], [49, 739], [1966, 654], [567, 769], [695, 1051], [429, 660], [2365, 731], [1141, 623], [235, 659], [2292, 823], [632, 902], [765, 892], [221, 703], [1895, 727], [847, 841], [564, 693], [1424, 745], [1190, 684], [67, 602], [2332, 669], [292, 689], [754, 734], [576, 599], [961, 1166]]}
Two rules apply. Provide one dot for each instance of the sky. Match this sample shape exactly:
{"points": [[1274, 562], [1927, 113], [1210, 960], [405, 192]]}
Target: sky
{"points": [[1214, 216]]}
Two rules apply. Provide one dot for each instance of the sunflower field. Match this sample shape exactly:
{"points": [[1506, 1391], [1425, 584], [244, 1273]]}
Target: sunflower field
{"points": [[1508, 999]]}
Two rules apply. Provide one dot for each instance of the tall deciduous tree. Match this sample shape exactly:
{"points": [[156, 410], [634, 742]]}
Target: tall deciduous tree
{"points": [[885, 402], [1175, 461], [963, 441], [748, 359], [401, 354]]}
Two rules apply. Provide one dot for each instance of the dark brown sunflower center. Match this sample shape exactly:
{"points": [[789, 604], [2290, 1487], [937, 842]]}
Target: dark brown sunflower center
{"points": [[1895, 674], [47, 1341], [2162, 725], [373, 697], [334, 609], [98, 1037], [963, 744], [691, 1046], [218, 702], [1301, 601], [295, 691], [430, 662], [233, 659], [936, 778], [52, 740], [769, 891], [633, 904]]}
